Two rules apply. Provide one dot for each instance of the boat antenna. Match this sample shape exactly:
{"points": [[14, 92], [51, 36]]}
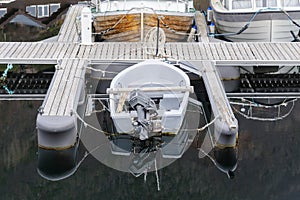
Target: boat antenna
{"points": [[157, 35]]}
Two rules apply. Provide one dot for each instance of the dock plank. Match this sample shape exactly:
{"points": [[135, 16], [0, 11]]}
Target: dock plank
{"points": [[67, 88], [237, 51], [21, 50], [29, 50], [60, 93], [11, 49], [63, 51], [232, 54], [185, 51], [93, 52], [284, 55], [225, 51], [294, 50], [56, 53], [75, 89], [41, 50], [267, 51], [218, 49], [3, 48], [276, 54], [110, 49], [288, 51], [203, 53], [248, 51], [46, 52], [196, 51], [168, 51], [53, 50], [35, 50], [98, 51], [242, 51], [255, 52], [191, 51], [51, 95], [18, 50], [214, 51]]}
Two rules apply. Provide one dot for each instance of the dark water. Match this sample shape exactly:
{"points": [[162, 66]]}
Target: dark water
{"points": [[269, 166]]}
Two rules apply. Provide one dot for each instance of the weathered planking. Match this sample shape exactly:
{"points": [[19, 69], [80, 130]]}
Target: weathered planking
{"points": [[75, 89], [67, 95], [68, 32], [60, 92], [135, 51], [51, 95]]}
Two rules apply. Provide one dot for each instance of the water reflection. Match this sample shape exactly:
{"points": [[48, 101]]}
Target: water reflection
{"points": [[117, 153], [269, 167], [56, 165]]}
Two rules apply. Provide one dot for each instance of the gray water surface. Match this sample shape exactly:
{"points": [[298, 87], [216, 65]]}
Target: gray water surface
{"points": [[269, 166]]}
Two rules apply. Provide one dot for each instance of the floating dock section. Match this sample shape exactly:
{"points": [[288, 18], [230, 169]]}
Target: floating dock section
{"points": [[57, 119]]}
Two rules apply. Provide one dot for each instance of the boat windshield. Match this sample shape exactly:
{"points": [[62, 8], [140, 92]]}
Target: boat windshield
{"points": [[159, 5], [258, 4]]}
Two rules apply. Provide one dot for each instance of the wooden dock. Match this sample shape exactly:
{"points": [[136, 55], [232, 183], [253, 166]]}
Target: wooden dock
{"points": [[70, 30], [221, 53], [72, 58], [63, 97]]}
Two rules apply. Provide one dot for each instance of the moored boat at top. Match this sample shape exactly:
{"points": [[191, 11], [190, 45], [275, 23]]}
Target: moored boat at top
{"points": [[257, 20], [135, 21]]}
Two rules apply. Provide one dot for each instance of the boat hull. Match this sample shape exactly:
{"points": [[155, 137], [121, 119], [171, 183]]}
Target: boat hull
{"points": [[158, 80], [134, 27], [267, 26]]}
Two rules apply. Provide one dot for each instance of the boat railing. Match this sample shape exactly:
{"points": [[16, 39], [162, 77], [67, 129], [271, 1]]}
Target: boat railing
{"points": [[123, 5], [260, 4]]}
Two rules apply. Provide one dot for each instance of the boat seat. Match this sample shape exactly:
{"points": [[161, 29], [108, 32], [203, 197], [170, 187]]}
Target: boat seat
{"points": [[170, 101]]}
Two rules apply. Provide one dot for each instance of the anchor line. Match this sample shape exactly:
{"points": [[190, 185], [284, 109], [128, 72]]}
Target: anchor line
{"points": [[207, 125], [87, 153], [93, 127]]}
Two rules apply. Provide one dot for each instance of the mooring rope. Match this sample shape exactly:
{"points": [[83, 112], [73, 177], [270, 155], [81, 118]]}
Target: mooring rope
{"points": [[156, 174], [253, 104], [3, 79]]}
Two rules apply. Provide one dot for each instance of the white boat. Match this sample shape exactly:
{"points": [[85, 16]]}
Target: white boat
{"points": [[149, 98], [257, 20]]}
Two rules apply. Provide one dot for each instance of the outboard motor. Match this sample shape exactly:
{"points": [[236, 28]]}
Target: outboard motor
{"points": [[145, 108]]}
